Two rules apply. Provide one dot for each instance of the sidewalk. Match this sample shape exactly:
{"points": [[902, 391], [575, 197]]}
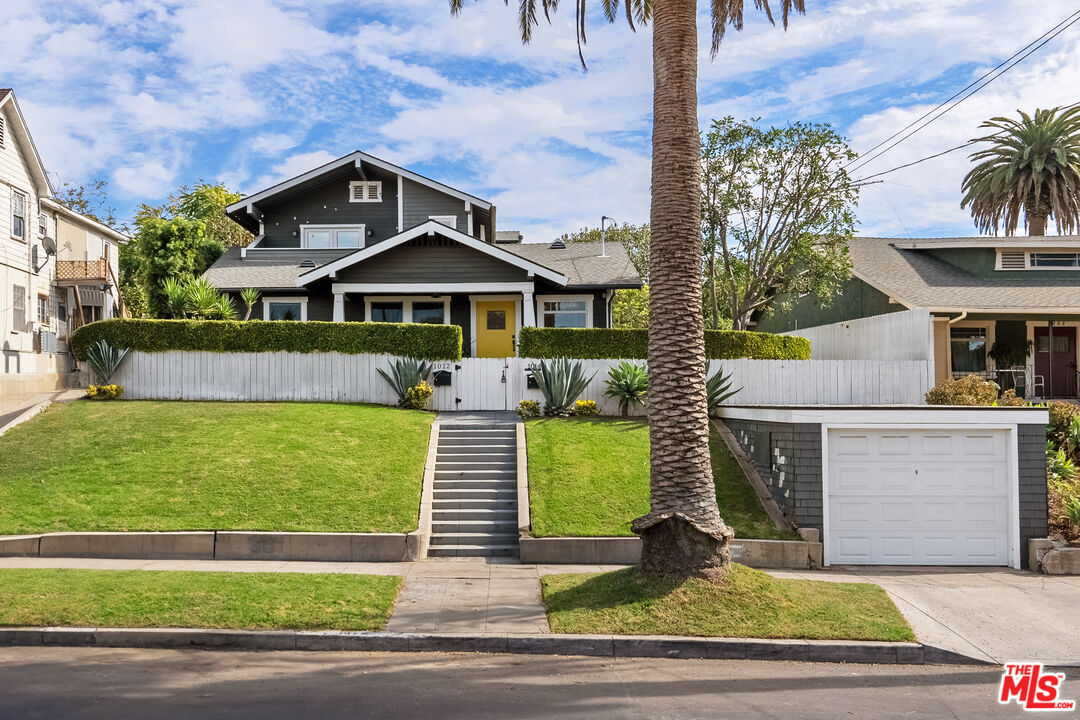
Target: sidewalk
{"points": [[11, 412]]}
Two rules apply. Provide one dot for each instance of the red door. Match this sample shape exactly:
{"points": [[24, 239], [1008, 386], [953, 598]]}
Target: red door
{"points": [[1061, 358]]}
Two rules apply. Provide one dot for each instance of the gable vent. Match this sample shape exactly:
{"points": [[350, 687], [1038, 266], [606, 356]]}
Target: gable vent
{"points": [[308, 264], [1, 131], [1013, 260]]}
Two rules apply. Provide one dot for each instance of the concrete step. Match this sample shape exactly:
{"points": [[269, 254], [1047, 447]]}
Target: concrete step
{"points": [[473, 538], [455, 427], [466, 514], [477, 442], [476, 484], [474, 494], [487, 527], [475, 475], [473, 550], [468, 504], [474, 463], [451, 455]]}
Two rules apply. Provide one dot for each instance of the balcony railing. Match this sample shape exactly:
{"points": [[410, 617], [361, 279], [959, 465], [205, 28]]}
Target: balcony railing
{"points": [[81, 272]]}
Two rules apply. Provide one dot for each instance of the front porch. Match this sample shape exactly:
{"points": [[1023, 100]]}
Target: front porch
{"points": [[1038, 357]]}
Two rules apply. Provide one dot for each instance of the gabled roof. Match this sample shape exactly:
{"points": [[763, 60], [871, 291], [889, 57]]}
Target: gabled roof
{"points": [[582, 263], [432, 227], [90, 222], [353, 158], [915, 278], [21, 133]]}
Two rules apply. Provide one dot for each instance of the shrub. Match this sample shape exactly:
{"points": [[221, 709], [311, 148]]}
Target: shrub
{"points": [[406, 374], [614, 344], [586, 408], [418, 395], [968, 390], [528, 409], [105, 359], [431, 342], [628, 383], [1009, 399], [561, 381], [1061, 416], [104, 392], [718, 387], [1072, 510], [1059, 466]]}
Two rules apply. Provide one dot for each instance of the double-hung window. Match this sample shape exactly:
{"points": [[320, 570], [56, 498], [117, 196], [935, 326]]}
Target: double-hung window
{"points": [[332, 236], [43, 309], [968, 350], [565, 312], [18, 214], [18, 308], [42, 225]]}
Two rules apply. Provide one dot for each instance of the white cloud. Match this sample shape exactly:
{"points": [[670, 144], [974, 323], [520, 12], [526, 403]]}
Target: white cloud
{"points": [[291, 167], [145, 178]]}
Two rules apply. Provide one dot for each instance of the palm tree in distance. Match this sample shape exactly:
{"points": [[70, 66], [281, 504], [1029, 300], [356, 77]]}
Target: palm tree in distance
{"points": [[683, 533], [1032, 166]]}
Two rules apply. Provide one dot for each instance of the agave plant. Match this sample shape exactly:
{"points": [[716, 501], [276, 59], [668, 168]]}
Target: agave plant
{"points": [[561, 382], [404, 374], [718, 387], [105, 360], [203, 298], [627, 382], [176, 295], [224, 308], [249, 296]]}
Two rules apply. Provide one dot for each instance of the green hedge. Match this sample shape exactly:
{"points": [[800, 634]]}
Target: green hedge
{"points": [[600, 343], [432, 342]]}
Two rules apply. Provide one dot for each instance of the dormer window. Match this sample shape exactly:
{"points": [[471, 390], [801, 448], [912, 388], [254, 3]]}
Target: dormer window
{"points": [[365, 191], [1049, 259]]}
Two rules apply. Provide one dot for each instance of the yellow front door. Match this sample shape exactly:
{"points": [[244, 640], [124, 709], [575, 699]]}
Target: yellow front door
{"points": [[495, 327]]}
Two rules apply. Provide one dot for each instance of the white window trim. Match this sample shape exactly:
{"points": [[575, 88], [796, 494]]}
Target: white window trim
{"points": [[1032, 266], [541, 299], [448, 220], [990, 327], [43, 224], [266, 301], [365, 184], [473, 299], [406, 305], [26, 208], [362, 229], [1029, 265]]}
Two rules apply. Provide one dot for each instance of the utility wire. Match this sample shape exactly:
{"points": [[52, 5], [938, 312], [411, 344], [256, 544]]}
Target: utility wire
{"points": [[974, 87]]}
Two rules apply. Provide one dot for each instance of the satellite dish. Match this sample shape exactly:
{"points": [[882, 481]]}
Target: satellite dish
{"points": [[49, 244]]}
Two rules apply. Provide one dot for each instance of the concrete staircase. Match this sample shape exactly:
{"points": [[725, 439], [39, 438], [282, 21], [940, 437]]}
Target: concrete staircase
{"points": [[474, 504]]}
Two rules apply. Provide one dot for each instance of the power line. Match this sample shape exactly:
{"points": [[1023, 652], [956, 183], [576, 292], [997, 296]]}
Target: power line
{"points": [[916, 162], [974, 87]]}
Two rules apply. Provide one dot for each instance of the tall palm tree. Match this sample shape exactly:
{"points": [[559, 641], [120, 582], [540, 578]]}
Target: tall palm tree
{"points": [[683, 532], [1032, 165]]}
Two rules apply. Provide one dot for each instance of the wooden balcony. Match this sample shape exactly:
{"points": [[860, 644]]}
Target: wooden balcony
{"points": [[81, 272]]}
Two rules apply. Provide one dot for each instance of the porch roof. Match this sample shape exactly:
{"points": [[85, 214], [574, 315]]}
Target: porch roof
{"points": [[917, 279]]}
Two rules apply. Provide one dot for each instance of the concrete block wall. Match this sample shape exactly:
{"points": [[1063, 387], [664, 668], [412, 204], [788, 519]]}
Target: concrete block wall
{"points": [[790, 465], [1034, 513]]}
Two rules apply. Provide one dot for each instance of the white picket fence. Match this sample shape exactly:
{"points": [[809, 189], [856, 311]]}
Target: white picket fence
{"points": [[494, 383]]}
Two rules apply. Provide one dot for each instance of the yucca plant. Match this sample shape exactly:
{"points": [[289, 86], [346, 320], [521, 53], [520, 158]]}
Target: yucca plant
{"points": [[105, 360], [404, 374], [249, 296], [176, 295], [203, 298], [628, 383], [561, 381], [718, 387], [224, 308]]}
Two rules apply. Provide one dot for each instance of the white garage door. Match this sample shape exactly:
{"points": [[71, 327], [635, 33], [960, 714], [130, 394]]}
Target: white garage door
{"points": [[918, 497]]}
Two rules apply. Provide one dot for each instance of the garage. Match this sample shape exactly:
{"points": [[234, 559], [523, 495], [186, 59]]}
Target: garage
{"points": [[904, 485], [918, 496]]}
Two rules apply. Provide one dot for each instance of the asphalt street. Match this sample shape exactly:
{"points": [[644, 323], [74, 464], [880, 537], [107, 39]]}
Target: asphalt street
{"points": [[95, 683]]}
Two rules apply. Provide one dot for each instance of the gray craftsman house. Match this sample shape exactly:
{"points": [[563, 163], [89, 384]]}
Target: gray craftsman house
{"points": [[360, 239]]}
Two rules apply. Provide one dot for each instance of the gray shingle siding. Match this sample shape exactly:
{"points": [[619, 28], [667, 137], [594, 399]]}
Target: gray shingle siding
{"points": [[1034, 514], [421, 202], [422, 262], [788, 457]]}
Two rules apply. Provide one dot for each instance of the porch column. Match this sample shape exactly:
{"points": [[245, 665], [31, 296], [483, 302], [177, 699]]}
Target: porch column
{"points": [[339, 307], [528, 309]]}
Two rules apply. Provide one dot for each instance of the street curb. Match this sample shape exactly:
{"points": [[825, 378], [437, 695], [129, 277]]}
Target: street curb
{"points": [[621, 646]]}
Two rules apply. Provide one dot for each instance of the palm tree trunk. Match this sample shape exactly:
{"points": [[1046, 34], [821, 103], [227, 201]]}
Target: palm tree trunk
{"points": [[683, 533], [1036, 225]]}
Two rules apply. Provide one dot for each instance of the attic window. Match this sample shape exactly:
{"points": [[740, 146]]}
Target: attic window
{"points": [[365, 191], [1012, 260], [448, 220]]}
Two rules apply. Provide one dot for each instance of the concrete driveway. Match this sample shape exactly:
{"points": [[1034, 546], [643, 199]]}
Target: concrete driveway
{"points": [[993, 614]]}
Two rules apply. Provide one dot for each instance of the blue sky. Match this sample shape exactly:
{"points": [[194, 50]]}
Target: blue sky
{"points": [[153, 94]]}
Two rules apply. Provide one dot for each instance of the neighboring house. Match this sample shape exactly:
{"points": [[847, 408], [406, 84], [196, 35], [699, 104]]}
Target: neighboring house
{"points": [[42, 298], [360, 239], [981, 292]]}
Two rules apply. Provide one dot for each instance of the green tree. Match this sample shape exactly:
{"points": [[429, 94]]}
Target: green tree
{"points": [[1032, 166], [634, 238], [207, 203], [779, 213], [630, 309], [175, 248], [683, 532], [90, 200]]}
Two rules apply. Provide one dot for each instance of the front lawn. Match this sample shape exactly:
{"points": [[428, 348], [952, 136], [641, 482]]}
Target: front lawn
{"points": [[123, 466], [151, 598], [748, 603], [590, 477]]}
